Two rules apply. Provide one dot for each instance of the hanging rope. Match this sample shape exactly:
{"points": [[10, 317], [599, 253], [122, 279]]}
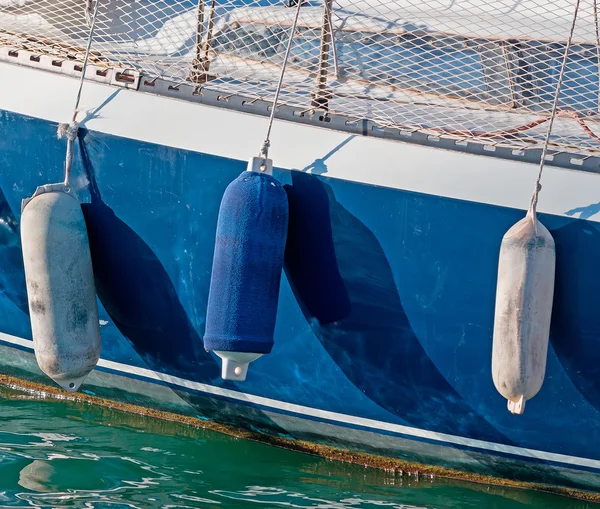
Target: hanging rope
{"points": [[70, 130], [264, 151], [89, 11], [536, 191]]}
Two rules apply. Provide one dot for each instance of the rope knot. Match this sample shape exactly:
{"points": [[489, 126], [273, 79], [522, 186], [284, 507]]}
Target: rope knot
{"points": [[264, 151], [68, 130]]}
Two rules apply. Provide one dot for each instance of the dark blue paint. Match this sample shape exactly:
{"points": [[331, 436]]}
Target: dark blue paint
{"points": [[576, 317], [247, 265], [386, 310], [136, 291], [310, 261], [373, 342]]}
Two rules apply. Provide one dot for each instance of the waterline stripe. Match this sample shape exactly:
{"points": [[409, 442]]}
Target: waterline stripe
{"points": [[327, 415]]}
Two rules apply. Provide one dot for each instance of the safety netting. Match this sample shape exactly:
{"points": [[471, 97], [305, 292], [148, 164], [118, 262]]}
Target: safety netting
{"points": [[474, 70]]}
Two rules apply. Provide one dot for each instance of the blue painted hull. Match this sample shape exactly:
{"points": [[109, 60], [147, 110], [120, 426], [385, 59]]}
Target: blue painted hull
{"points": [[385, 312]]}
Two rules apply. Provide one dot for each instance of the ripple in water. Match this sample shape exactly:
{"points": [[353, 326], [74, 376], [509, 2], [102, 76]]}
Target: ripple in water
{"points": [[65, 454]]}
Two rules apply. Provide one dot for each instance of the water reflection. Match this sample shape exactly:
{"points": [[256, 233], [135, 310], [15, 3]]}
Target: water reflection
{"points": [[64, 454]]}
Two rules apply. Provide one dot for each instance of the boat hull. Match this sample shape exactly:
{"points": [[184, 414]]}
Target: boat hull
{"points": [[384, 326]]}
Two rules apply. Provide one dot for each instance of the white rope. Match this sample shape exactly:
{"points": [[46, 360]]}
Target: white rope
{"points": [[88, 11], [70, 130], [264, 152], [536, 191]]}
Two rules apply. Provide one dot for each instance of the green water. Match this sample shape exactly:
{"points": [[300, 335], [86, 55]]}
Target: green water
{"points": [[65, 454]]}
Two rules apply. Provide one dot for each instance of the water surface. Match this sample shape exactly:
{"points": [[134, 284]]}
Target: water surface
{"points": [[65, 454]]}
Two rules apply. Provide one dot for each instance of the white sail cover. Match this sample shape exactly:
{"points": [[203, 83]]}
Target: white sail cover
{"points": [[471, 70]]}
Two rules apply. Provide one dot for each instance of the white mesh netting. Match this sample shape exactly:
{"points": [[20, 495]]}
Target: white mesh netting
{"points": [[469, 69]]}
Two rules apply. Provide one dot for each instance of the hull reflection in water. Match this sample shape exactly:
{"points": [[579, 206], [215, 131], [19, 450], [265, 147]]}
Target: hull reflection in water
{"points": [[73, 455]]}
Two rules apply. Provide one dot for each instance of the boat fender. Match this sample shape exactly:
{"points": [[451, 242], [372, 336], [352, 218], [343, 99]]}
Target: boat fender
{"points": [[60, 285], [524, 296], [247, 267]]}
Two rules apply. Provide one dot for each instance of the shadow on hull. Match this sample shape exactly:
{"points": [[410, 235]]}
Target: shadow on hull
{"points": [[575, 328], [344, 284], [12, 275], [138, 294]]}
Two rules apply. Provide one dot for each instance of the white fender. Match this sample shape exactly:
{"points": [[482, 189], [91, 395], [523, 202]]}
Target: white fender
{"points": [[60, 285], [524, 296]]}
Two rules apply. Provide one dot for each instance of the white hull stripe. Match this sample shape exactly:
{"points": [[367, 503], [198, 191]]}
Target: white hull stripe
{"points": [[234, 135], [331, 416]]}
